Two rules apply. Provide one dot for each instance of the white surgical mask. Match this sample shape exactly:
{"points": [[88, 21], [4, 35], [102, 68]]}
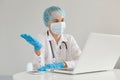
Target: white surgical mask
{"points": [[58, 28]]}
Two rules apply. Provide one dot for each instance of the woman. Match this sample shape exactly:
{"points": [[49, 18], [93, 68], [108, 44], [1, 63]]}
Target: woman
{"points": [[54, 49]]}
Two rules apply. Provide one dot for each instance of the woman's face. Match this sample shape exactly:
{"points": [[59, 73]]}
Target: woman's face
{"points": [[55, 20]]}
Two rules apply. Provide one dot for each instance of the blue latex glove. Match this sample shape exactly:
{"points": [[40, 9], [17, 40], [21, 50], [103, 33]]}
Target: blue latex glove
{"points": [[52, 66], [37, 44]]}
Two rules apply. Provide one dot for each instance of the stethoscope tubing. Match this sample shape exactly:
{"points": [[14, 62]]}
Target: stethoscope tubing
{"points": [[53, 55]]}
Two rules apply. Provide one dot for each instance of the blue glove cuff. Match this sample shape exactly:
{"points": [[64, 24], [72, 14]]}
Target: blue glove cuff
{"points": [[38, 47], [52, 66], [61, 64]]}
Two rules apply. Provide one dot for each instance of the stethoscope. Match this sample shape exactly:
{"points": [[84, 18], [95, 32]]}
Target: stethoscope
{"points": [[53, 55]]}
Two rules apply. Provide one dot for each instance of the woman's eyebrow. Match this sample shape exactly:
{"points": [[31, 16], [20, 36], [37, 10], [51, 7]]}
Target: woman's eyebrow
{"points": [[55, 20]]}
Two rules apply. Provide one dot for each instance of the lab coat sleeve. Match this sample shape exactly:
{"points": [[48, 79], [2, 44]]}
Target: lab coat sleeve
{"points": [[74, 53], [38, 61]]}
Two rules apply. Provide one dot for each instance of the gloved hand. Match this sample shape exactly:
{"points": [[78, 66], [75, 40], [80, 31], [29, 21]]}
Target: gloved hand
{"points": [[37, 44], [52, 66]]}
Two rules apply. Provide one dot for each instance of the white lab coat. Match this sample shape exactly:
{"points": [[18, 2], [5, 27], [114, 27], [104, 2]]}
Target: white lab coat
{"points": [[69, 55]]}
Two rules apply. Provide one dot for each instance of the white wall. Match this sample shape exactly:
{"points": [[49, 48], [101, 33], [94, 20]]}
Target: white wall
{"points": [[25, 16]]}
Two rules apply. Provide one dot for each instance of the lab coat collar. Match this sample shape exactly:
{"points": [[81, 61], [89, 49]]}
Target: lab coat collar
{"points": [[50, 37]]}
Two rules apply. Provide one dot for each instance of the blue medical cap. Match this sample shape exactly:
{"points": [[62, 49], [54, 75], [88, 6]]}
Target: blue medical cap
{"points": [[52, 12]]}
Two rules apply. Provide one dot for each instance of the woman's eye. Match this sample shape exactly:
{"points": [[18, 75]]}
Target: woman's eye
{"points": [[62, 20], [55, 21]]}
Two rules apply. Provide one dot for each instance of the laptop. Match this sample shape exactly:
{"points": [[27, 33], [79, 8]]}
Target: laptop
{"points": [[101, 53]]}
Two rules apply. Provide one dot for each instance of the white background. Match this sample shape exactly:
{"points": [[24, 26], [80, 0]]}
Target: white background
{"points": [[25, 16]]}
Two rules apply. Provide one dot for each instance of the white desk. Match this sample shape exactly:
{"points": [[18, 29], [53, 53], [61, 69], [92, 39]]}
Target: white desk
{"points": [[108, 75]]}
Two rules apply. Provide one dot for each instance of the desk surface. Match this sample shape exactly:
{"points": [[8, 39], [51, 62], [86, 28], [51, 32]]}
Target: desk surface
{"points": [[107, 75]]}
